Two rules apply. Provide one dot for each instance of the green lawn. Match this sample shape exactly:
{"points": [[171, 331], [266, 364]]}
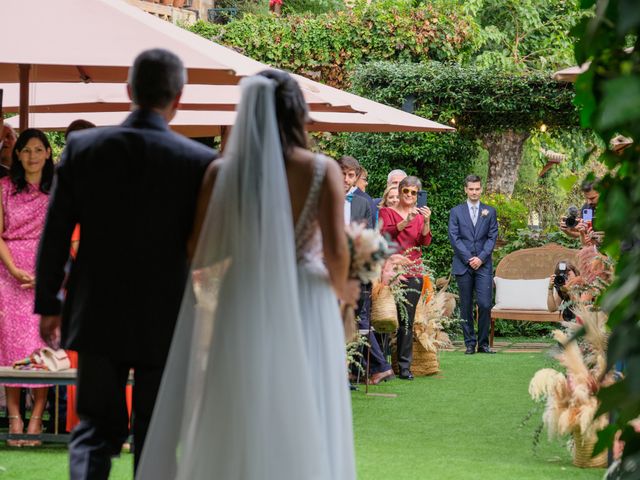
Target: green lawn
{"points": [[461, 424]]}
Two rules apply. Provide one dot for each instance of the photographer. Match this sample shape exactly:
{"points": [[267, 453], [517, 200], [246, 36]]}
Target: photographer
{"points": [[579, 223], [565, 273]]}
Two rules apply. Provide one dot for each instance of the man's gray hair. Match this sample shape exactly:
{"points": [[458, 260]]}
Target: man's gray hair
{"points": [[156, 78], [393, 173]]}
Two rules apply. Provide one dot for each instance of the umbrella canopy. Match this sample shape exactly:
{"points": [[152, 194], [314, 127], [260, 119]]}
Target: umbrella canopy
{"points": [[570, 74], [112, 97], [97, 41], [212, 123]]}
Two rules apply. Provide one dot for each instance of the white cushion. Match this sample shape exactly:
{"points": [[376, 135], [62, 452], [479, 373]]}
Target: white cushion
{"points": [[521, 294]]}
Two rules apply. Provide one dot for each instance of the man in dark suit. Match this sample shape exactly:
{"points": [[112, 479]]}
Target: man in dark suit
{"points": [[7, 142], [358, 209], [132, 189], [473, 231]]}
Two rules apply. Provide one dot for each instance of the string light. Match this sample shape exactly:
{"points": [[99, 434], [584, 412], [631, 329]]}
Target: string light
{"points": [[543, 128]]}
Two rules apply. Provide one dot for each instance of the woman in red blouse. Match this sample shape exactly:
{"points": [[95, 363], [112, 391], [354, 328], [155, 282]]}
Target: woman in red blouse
{"points": [[410, 227]]}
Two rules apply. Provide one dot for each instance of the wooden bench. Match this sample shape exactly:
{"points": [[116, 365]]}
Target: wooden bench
{"points": [[529, 264]]}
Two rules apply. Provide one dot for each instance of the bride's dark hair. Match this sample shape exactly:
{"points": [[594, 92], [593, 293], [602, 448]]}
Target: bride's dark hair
{"points": [[291, 110]]}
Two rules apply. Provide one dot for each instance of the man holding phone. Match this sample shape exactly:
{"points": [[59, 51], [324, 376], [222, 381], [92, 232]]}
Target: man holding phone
{"points": [[584, 229]]}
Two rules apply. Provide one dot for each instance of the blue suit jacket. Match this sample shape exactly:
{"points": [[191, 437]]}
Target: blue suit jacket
{"points": [[469, 241]]}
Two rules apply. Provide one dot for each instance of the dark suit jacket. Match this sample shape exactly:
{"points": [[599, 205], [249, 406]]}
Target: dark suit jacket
{"points": [[469, 241], [372, 205], [133, 189], [361, 211]]}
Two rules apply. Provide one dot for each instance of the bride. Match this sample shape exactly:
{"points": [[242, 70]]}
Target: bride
{"points": [[255, 385]]}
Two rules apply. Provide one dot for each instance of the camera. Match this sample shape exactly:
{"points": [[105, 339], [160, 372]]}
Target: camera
{"points": [[572, 218], [561, 277]]}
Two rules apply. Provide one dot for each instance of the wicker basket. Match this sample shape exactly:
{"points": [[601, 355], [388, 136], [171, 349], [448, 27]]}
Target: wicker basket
{"points": [[582, 450], [424, 363], [384, 316]]}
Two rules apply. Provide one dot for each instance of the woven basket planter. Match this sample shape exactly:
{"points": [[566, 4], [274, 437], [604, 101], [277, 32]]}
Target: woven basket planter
{"points": [[384, 316], [583, 448], [424, 362]]}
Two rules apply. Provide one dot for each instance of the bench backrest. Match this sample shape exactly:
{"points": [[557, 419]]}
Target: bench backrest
{"points": [[533, 263]]}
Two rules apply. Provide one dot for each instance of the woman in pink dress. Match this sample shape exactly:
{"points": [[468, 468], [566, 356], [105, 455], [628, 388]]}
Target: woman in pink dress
{"points": [[25, 196]]}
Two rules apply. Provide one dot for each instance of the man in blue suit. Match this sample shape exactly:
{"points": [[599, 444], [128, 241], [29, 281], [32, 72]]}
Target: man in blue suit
{"points": [[473, 231]]}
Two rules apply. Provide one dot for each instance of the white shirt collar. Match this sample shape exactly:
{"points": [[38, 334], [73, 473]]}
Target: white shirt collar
{"points": [[471, 204]]}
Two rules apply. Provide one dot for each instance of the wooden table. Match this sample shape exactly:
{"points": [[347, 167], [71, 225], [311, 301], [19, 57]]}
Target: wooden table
{"points": [[42, 377]]}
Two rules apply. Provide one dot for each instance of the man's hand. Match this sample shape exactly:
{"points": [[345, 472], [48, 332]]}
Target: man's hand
{"points": [[50, 330], [475, 263]]}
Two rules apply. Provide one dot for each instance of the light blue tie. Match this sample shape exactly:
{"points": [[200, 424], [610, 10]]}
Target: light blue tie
{"points": [[474, 214]]}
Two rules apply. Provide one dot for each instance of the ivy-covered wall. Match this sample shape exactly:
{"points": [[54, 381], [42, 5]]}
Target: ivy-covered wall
{"points": [[328, 47]]}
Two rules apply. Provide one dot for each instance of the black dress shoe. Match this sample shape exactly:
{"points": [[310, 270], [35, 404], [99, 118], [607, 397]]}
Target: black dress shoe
{"points": [[471, 349], [485, 350], [406, 375]]}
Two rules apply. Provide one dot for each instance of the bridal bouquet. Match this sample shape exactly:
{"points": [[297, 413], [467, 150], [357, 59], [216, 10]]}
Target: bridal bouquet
{"points": [[368, 250]]}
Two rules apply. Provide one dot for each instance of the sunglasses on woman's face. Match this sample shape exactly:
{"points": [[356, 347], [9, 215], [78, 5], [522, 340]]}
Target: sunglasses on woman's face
{"points": [[410, 191]]}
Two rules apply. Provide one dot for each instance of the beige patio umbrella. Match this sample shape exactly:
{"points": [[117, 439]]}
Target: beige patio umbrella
{"points": [[570, 74], [97, 41], [201, 123], [112, 97]]}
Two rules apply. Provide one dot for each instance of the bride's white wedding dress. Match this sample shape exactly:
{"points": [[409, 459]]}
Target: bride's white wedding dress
{"points": [[324, 335], [248, 393]]}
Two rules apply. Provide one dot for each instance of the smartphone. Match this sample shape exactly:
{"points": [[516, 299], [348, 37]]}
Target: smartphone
{"points": [[587, 216], [422, 199]]}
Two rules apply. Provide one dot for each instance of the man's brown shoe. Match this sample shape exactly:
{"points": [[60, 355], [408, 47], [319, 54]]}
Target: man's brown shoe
{"points": [[376, 378]]}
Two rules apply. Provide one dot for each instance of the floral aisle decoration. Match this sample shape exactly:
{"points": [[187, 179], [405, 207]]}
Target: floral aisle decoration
{"points": [[368, 251], [428, 330], [570, 397], [389, 292]]}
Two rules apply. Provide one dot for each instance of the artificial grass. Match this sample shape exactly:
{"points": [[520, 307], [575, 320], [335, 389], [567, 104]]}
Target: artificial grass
{"points": [[464, 423]]}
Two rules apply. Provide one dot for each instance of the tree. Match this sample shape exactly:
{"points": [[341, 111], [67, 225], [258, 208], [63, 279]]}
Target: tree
{"points": [[609, 98], [498, 108], [524, 35]]}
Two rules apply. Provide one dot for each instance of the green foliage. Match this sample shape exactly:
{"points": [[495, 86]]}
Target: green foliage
{"points": [[609, 97], [506, 328], [312, 6], [479, 100], [527, 238], [329, 46], [524, 35], [512, 214]]}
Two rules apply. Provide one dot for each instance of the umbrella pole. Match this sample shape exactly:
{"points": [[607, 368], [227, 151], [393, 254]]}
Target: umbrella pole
{"points": [[23, 70]]}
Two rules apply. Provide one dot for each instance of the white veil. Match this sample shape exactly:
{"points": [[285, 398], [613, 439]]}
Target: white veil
{"points": [[236, 398]]}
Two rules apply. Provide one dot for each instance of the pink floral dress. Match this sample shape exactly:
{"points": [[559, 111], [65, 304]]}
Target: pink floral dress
{"points": [[24, 215]]}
